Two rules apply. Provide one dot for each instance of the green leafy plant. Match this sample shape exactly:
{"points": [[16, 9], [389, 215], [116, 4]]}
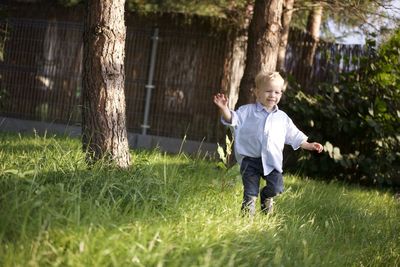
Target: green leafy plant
{"points": [[225, 153], [359, 116]]}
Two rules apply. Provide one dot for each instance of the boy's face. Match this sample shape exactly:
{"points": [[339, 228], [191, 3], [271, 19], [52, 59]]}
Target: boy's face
{"points": [[269, 95]]}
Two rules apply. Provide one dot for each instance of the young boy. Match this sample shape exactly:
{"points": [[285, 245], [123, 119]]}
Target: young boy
{"points": [[260, 132]]}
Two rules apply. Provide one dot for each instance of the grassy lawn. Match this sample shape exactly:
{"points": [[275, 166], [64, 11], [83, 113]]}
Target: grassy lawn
{"points": [[177, 211]]}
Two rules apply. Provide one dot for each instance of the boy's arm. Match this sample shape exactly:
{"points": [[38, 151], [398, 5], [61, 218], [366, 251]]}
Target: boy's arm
{"points": [[226, 114], [312, 146]]}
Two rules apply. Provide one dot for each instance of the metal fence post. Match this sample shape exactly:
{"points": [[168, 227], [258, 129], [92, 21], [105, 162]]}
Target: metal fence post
{"points": [[149, 86]]}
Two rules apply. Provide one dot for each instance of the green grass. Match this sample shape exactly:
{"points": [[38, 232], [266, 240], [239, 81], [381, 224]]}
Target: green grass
{"points": [[177, 211]]}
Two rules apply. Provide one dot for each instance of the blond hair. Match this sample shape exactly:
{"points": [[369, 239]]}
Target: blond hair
{"points": [[270, 79]]}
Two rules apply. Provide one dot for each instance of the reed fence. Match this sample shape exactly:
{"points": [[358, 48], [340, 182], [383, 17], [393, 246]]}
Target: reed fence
{"points": [[41, 65]]}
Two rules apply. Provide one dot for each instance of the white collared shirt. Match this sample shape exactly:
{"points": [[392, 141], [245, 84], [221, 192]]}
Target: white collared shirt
{"points": [[259, 133]]}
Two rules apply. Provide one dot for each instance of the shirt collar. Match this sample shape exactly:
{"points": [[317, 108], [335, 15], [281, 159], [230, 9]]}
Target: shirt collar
{"points": [[260, 107]]}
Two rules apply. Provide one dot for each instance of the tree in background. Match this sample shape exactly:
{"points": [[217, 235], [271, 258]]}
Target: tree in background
{"points": [[310, 43], [313, 29], [286, 19], [236, 55], [262, 46], [104, 132]]}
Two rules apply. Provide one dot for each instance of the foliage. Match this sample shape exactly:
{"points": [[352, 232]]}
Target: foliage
{"points": [[359, 118], [225, 154], [173, 211], [234, 11], [206, 7], [70, 2]]}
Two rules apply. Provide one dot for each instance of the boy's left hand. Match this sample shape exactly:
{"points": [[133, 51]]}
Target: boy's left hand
{"points": [[317, 146]]}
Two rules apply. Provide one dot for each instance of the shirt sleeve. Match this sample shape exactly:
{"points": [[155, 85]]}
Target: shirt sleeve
{"points": [[294, 136], [237, 117], [234, 122]]}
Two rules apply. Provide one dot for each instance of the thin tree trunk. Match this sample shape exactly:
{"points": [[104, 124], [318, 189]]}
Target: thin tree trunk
{"points": [[263, 45], [305, 69], [286, 19], [313, 28], [236, 68], [103, 109]]}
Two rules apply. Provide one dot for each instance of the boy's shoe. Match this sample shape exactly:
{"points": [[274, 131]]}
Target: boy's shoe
{"points": [[267, 206], [249, 206]]}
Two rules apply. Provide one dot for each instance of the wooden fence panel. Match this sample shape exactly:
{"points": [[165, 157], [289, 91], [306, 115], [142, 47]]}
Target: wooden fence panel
{"points": [[42, 66]]}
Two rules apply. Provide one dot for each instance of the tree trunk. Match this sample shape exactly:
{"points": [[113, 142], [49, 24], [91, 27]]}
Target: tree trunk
{"points": [[235, 58], [234, 67], [263, 45], [103, 99], [313, 28], [286, 19], [305, 69]]}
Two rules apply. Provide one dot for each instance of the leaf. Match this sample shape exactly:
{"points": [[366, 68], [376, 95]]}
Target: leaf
{"points": [[380, 105], [12, 171], [20, 174], [221, 153], [328, 147], [371, 111], [221, 165]]}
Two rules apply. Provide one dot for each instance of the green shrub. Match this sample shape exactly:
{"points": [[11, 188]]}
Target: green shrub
{"points": [[358, 119]]}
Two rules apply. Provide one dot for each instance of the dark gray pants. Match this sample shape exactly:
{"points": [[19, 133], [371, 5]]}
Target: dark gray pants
{"points": [[252, 170]]}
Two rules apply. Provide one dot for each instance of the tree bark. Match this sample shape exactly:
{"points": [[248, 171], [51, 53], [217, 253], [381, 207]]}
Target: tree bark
{"points": [[104, 132], [313, 28], [235, 58], [286, 19], [263, 45], [305, 69]]}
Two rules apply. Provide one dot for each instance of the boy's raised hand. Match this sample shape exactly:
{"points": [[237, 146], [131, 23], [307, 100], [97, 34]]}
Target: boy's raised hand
{"points": [[221, 101]]}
